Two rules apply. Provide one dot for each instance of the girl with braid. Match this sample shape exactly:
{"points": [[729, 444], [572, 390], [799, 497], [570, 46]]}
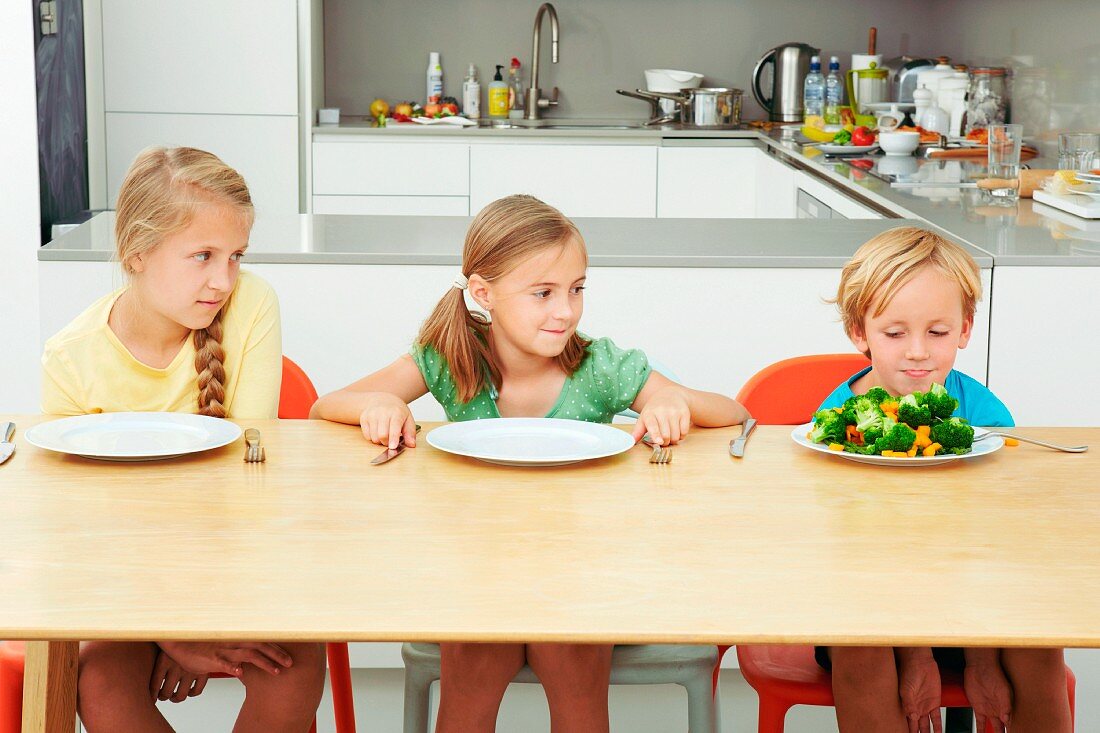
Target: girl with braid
{"points": [[191, 333]]}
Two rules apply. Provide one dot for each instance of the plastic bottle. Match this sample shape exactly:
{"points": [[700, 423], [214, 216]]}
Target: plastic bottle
{"points": [[813, 91], [515, 90], [435, 78], [471, 94], [833, 93], [498, 96]]}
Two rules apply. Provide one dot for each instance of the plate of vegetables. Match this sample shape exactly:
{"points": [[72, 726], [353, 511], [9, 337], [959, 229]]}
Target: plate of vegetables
{"points": [[916, 429]]}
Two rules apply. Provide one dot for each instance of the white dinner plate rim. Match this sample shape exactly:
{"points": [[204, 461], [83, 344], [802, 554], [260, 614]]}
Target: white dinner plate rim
{"points": [[831, 149], [987, 446], [443, 431], [44, 435]]}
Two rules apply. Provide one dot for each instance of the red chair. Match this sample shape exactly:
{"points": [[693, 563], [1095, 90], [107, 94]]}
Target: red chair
{"points": [[296, 397], [787, 393]]}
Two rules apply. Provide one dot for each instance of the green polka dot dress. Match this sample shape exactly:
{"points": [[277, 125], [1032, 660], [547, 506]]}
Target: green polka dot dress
{"points": [[605, 384]]}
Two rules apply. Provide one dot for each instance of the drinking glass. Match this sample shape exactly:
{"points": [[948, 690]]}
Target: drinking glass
{"points": [[1077, 150], [1004, 160]]}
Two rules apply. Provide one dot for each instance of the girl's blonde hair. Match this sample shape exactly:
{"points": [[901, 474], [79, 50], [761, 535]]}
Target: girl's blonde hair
{"points": [[158, 198], [888, 261], [503, 235]]}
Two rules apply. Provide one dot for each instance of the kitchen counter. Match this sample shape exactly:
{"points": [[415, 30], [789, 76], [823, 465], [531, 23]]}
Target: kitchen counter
{"points": [[418, 240]]}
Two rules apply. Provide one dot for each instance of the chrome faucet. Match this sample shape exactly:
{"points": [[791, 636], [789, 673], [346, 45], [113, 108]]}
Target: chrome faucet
{"points": [[535, 100]]}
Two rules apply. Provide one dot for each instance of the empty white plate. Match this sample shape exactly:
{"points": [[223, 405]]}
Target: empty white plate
{"points": [[985, 447], [530, 441], [133, 436]]}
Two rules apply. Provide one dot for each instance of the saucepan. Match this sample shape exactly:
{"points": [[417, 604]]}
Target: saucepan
{"points": [[706, 107]]}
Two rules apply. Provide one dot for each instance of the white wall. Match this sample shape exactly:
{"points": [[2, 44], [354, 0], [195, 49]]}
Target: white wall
{"points": [[19, 237]]}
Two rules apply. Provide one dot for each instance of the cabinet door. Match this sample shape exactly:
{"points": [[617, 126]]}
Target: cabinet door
{"points": [[775, 188], [393, 205], [263, 148], [581, 180], [843, 207], [706, 182], [201, 56], [411, 168]]}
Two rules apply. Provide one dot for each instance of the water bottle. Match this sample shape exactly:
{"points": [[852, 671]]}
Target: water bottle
{"points": [[832, 93], [813, 91]]}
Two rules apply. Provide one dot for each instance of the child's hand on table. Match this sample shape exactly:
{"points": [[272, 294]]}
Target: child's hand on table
{"points": [[919, 688], [204, 658], [170, 681], [385, 418], [666, 417], [989, 693]]}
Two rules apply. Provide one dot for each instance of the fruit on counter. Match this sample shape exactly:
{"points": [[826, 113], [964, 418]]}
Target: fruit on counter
{"points": [[863, 136], [815, 130], [449, 104], [379, 107], [404, 109], [431, 109]]}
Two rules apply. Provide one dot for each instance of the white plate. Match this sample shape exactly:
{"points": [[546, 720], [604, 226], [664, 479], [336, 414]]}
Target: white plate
{"points": [[830, 149], [1090, 177], [887, 106], [987, 446], [133, 436], [1081, 192], [530, 441]]}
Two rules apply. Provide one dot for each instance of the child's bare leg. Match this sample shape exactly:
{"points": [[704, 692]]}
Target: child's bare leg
{"points": [[286, 702], [1039, 698], [472, 681], [865, 690], [113, 687], [575, 677]]}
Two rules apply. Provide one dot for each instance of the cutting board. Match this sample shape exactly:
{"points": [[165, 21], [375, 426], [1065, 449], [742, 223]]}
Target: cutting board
{"points": [[1076, 204]]}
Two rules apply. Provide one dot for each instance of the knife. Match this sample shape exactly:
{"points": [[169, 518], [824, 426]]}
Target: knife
{"points": [[737, 445], [391, 453], [7, 431]]}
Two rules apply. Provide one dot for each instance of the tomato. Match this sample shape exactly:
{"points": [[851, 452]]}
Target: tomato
{"points": [[862, 163], [862, 136], [450, 107], [431, 109]]}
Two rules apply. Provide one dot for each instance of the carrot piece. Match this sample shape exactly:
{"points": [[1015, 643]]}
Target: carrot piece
{"points": [[931, 450], [836, 446], [924, 430], [912, 452], [1012, 442], [838, 410]]}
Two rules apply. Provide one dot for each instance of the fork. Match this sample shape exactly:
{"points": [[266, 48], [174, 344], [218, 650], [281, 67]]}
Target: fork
{"points": [[1055, 446], [661, 453], [253, 452]]}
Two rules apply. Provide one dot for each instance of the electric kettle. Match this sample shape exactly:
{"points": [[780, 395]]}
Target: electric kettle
{"points": [[790, 64]]}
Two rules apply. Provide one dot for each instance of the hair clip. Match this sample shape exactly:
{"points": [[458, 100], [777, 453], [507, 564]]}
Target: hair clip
{"points": [[461, 281]]}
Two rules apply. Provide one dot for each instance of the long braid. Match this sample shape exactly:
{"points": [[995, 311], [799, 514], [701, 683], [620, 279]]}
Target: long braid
{"points": [[209, 363]]}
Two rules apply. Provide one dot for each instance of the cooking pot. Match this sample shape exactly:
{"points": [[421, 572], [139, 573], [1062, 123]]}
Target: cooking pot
{"points": [[672, 81], [709, 107]]}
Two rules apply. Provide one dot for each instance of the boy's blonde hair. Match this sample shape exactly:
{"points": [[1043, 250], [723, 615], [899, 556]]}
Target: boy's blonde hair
{"points": [[158, 198], [503, 235], [888, 261]]}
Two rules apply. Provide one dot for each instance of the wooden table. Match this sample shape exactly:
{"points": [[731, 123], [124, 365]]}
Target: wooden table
{"points": [[316, 544]]}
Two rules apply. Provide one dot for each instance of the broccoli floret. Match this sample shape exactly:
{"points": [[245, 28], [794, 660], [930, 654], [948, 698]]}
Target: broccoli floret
{"points": [[899, 437], [868, 414], [913, 411], [954, 435], [939, 402], [829, 427], [878, 395], [877, 431], [866, 449], [849, 411]]}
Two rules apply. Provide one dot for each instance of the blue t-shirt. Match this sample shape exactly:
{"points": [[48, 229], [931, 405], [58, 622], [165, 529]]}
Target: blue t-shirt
{"points": [[977, 405]]}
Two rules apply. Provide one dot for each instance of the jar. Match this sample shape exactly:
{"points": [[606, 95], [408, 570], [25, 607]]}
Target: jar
{"points": [[986, 98], [1031, 99]]}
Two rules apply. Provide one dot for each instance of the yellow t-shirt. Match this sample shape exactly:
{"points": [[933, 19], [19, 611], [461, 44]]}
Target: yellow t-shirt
{"points": [[87, 369]]}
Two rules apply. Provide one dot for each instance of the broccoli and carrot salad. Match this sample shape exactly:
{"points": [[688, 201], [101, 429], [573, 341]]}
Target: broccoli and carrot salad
{"points": [[877, 423]]}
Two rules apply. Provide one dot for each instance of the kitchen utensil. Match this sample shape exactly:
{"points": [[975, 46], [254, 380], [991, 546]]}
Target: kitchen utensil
{"points": [[790, 63], [1065, 448], [737, 445], [865, 86], [1005, 142], [254, 451], [974, 153], [831, 149], [391, 453], [930, 78], [661, 453], [705, 107], [986, 97], [1077, 150], [952, 99], [902, 77], [133, 436], [671, 80], [1082, 206], [528, 441], [894, 142], [656, 113], [7, 431], [982, 448]]}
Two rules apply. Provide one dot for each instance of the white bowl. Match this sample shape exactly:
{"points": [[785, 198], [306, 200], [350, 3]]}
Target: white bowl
{"points": [[671, 80], [893, 142]]}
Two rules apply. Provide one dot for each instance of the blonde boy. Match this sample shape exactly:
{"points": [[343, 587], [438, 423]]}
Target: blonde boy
{"points": [[907, 300]]}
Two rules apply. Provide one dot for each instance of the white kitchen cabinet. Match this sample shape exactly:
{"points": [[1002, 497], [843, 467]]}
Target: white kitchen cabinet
{"points": [[384, 168], [775, 187], [264, 148], [839, 205], [393, 205], [223, 57], [706, 181], [580, 180]]}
